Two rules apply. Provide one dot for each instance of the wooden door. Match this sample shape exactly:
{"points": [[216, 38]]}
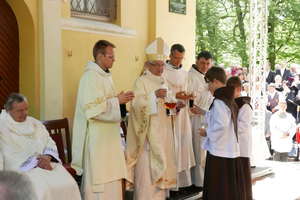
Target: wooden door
{"points": [[9, 52]]}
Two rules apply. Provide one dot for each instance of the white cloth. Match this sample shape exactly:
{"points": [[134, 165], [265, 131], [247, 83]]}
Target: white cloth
{"points": [[221, 140], [143, 188], [113, 189], [150, 155], [245, 130], [203, 100], [279, 126], [260, 150], [97, 116], [185, 159], [20, 141]]}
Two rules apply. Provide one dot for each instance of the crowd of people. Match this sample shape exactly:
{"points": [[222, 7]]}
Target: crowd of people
{"points": [[184, 128], [281, 99]]}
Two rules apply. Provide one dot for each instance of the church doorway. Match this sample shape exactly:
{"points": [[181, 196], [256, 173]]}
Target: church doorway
{"points": [[9, 52]]}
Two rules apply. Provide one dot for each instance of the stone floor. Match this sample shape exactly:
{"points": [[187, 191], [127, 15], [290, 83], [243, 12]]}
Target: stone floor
{"points": [[271, 180]]}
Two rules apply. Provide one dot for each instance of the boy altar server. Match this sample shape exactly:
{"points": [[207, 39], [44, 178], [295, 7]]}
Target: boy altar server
{"points": [[244, 131], [283, 129], [223, 168]]}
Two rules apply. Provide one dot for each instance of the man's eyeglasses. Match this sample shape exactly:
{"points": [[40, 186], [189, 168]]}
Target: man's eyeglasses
{"points": [[157, 65], [110, 56], [177, 57]]}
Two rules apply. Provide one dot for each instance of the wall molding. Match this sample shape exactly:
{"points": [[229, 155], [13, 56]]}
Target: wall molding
{"points": [[96, 27]]}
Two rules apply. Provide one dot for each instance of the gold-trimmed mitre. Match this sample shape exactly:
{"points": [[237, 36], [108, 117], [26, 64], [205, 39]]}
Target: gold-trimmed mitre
{"points": [[157, 50]]}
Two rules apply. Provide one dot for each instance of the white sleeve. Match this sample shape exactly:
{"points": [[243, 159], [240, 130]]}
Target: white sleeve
{"points": [[112, 112], [276, 133], [153, 103], [244, 118], [52, 152], [220, 116]]}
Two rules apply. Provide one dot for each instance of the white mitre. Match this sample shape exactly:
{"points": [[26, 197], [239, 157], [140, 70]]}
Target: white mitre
{"points": [[157, 50]]}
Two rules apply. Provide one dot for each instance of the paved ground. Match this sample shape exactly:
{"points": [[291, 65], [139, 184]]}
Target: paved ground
{"points": [[271, 181]]}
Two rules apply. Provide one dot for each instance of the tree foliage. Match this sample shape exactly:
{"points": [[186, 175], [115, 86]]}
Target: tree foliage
{"points": [[222, 27]]}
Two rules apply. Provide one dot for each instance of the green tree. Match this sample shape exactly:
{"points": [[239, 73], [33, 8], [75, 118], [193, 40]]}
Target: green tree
{"points": [[283, 31], [222, 27]]}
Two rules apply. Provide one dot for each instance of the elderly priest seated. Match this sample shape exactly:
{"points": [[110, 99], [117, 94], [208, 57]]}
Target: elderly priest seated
{"points": [[27, 147]]}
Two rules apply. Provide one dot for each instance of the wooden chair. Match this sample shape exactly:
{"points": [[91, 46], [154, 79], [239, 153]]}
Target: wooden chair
{"points": [[58, 129]]}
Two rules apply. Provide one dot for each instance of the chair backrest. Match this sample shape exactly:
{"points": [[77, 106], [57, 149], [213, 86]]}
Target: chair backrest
{"points": [[56, 128]]}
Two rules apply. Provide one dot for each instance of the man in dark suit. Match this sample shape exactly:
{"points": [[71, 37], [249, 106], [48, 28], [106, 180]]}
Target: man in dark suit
{"points": [[270, 75], [283, 72]]}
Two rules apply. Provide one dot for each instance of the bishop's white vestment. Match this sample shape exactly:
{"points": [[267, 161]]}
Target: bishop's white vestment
{"points": [[150, 155], [178, 81], [203, 100], [21, 143], [97, 146]]}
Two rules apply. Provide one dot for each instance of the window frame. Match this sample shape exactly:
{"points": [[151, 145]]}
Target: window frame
{"points": [[95, 16]]}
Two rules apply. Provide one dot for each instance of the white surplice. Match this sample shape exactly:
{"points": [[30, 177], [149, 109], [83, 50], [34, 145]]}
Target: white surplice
{"points": [[221, 140], [203, 100], [280, 124], [178, 81], [21, 143], [96, 133], [245, 130], [150, 155]]}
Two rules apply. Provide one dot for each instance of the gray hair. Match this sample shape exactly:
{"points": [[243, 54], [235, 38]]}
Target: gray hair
{"points": [[14, 98], [293, 65], [16, 186], [278, 77]]}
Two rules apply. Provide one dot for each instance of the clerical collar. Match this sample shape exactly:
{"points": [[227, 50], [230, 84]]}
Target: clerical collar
{"points": [[5, 115], [107, 71], [152, 74], [168, 62], [196, 68]]}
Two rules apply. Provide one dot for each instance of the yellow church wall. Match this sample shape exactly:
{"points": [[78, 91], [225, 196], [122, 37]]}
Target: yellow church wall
{"points": [[65, 9], [177, 28], [150, 19], [129, 52], [26, 12]]}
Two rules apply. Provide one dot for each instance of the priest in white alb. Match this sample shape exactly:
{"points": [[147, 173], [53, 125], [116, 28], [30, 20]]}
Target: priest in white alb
{"points": [[150, 155], [203, 100], [177, 77], [27, 147], [97, 147]]}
